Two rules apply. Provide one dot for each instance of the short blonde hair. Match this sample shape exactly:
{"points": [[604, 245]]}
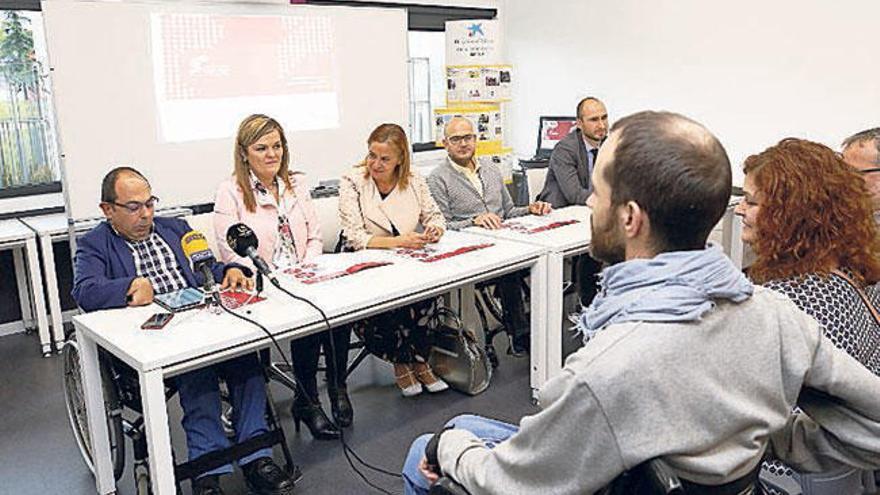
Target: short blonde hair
{"points": [[251, 130], [392, 134]]}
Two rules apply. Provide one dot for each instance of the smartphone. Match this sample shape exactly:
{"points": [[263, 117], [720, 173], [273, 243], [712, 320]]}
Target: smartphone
{"points": [[157, 321]]}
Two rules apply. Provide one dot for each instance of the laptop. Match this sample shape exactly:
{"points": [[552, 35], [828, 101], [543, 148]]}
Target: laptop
{"points": [[551, 130]]}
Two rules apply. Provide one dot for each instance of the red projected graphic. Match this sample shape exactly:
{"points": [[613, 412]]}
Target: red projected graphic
{"points": [[232, 56], [557, 132]]}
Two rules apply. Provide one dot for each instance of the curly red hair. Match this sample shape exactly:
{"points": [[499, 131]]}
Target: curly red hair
{"points": [[815, 215]]}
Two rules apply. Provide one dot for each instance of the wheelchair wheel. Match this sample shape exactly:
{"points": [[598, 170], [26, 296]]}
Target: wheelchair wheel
{"points": [[142, 478], [76, 409]]}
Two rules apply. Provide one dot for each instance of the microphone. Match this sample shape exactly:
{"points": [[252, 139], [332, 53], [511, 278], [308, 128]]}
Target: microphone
{"points": [[196, 248], [243, 241]]}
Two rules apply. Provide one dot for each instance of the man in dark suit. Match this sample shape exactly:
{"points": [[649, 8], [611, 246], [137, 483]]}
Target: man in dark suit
{"points": [[130, 257], [568, 174], [568, 177]]}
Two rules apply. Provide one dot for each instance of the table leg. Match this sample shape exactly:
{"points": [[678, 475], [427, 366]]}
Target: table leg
{"points": [[467, 309], [52, 289], [158, 433], [555, 275], [21, 280], [539, 331], [95, 411], [37, 294]]}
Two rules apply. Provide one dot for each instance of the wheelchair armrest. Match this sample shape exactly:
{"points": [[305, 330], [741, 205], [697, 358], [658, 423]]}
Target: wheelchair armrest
{"points": [[447, 486], [661, 478], [655, 475]]}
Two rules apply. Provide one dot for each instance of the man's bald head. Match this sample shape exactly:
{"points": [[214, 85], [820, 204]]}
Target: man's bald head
{"points": [[460, 140], [675, 170], [108, 185], [862, 152], [458, 124]]}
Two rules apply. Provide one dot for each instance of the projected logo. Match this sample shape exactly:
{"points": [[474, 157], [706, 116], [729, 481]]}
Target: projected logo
{"points": [[212, 70], [476, 29]]}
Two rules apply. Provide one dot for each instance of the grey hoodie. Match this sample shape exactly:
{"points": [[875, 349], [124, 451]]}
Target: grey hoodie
{"points": [[709, 396]]}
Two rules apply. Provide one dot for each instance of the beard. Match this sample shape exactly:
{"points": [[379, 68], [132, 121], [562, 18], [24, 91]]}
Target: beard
{"points": [[606, 243]]}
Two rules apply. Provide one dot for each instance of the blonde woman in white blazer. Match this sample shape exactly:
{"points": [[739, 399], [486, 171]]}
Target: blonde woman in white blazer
{"points": [[383, 204]]}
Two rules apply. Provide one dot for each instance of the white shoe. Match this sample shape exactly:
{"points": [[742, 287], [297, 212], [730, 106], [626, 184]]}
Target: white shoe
{"points": [[406, 380], [432, 382], [437, 386]]}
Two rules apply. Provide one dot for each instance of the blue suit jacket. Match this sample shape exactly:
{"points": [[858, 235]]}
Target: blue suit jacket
{"points": [[105, 266]]}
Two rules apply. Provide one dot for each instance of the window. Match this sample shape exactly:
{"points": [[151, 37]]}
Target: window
{"points": [[28, 155], [427, 84]]}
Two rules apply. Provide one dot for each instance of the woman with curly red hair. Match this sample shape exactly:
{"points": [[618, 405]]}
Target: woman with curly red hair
{"points": [[808, 217]]}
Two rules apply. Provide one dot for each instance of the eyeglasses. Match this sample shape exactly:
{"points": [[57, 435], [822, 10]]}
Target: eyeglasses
{"points": [[134, 207], [869, 170], [467, 138]]}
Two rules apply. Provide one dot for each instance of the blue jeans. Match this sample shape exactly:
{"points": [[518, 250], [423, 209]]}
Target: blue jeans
{"points": [[200, 399], [491, 431]]}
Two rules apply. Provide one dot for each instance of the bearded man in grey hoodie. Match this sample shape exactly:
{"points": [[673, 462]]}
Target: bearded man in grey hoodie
{"points": [[685, 361]]}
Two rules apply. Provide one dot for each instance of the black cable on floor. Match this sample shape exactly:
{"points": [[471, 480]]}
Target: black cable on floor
{"points": [[346, 449]]}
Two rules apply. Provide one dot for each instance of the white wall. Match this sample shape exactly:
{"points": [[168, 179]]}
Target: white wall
{"points": [[481, 4], [752, 71]]}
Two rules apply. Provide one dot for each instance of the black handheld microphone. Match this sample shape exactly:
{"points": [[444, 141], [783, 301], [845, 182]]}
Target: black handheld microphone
{"points": [[243, 241]]}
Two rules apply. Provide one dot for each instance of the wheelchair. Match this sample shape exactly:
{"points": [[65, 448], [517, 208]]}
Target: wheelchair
{"points": [[652, 477], [487, 302], [124, 416]]}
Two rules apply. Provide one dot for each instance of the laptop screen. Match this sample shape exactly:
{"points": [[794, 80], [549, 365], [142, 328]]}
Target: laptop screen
{"points": [[551, 131]]}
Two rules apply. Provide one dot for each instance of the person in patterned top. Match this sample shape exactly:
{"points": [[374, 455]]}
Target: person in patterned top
{"points": [[264, 194], [809, 219], [385, 204]]}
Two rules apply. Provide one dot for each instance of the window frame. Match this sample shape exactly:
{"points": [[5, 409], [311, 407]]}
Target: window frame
{"points": [[30, 189]]}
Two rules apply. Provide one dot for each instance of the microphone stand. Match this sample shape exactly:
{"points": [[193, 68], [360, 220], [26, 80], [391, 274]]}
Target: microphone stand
{"points": [[258, 286]]}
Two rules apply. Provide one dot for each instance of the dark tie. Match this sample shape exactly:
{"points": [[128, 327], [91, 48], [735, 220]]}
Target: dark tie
{"points": [[593, 153]]}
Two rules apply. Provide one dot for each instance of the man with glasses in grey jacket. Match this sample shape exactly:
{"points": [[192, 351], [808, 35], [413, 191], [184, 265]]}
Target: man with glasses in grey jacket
{"points": [[469, 193]]}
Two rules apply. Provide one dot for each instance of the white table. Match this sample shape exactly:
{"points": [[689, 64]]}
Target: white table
{"points": [[16, 236], [196, 340], [51, 228], [560, 243]]}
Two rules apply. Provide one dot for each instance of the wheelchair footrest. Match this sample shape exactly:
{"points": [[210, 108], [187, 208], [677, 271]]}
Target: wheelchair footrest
{"points": [[212, 460]]}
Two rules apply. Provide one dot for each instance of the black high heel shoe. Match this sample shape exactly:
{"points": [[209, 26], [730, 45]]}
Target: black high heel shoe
{"points": [[315, 419], [340, 406]]}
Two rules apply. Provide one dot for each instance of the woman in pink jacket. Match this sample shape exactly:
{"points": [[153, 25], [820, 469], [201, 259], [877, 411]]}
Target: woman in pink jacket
{"points": [[264, 194]]}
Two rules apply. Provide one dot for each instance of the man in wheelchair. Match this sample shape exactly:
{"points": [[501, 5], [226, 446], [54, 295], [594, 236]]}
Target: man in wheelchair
{"points": [[130, 257], [686, 360]]}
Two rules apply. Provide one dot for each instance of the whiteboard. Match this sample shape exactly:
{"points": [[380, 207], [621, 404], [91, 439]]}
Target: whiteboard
{"points": [[162, 86]]}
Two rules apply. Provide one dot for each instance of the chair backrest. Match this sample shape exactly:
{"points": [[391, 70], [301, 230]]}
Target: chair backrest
{"points": [[535, 177], [328, 217], [204, 223]]}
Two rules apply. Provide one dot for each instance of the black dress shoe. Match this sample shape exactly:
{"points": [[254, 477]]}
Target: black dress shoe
{"points": [[340, 406], [264, 477], [315, 419], [207, 485]]}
